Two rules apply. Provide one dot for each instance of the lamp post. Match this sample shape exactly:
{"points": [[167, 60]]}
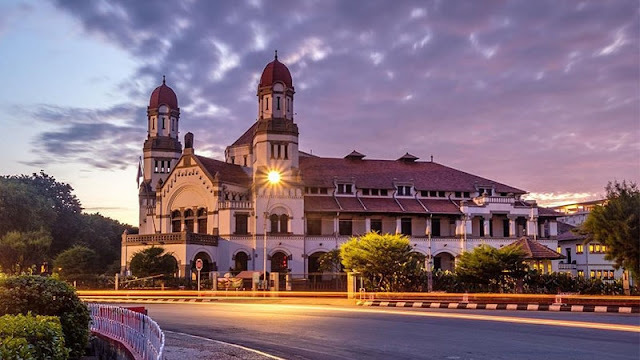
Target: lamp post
{"points": [[273, 178], [429, 258]]}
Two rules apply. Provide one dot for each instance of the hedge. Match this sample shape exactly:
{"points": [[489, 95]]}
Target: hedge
{"points": [[29, 337], [52, 297]]}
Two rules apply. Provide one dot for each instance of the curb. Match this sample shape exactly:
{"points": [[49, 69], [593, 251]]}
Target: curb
{"points": [[154, 300], [525, 307]]}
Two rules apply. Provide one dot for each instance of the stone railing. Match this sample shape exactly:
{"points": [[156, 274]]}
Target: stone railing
{"points": [[172, 238], [567, 266], [483, 200], [233, 204]]}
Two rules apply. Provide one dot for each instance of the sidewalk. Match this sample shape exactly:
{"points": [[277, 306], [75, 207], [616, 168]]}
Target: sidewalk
{"points": [[181, 346]]}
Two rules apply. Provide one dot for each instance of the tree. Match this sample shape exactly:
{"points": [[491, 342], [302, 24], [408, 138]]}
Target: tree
{"points": [[330, 261], [21, 251], [489, 267], [387, 261], [153, 261], [23, 209], [75, 263], [104, 236], [617, 226]]}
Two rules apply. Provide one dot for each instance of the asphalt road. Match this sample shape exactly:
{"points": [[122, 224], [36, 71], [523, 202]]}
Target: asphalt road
{"points": [[325, 332]]}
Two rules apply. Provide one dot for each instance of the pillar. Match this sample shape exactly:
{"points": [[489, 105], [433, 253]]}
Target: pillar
{"points": [[512, 226], [398, 225], [532, 226], [485, 223], [427, 230], [367, 224], [335, 225]]}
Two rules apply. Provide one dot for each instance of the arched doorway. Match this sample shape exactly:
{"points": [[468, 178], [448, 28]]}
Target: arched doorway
{"points": [[241, 261], [279, 262], [314, 262], [444, 262]]}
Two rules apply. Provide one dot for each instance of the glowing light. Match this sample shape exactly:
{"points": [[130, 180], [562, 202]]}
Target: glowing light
{"points": [[273, 177]]}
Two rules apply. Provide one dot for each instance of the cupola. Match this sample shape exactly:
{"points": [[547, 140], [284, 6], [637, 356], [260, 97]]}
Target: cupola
{"points": [[274, 72], [163, 95]]}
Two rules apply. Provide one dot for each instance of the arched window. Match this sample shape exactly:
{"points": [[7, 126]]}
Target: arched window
{"points": [[284, 223], [274, 223], [188, 220], [242, 260], [279, 262], [202, 221], [176, 221]]}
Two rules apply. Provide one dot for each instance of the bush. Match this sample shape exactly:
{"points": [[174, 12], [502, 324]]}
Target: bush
{"points": [[31, 337], [48, 296]]}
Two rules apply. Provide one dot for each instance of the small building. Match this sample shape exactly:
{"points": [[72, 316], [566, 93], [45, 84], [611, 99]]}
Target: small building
{"points": [[537, 256]]}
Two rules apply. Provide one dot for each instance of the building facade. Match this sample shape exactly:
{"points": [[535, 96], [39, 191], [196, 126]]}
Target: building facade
{"points": [[269, 197]]}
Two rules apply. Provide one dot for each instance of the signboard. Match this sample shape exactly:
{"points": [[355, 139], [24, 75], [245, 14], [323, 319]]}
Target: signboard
{"points": [[199, 264]]}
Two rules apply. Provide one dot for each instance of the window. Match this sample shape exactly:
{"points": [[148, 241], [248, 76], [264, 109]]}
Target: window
{"points": [[611, 275], [383, 192], [424, 193], [591, 248], [458, 194], [284, 223], [375, 192], [365, 192], [405, 226], [266, 103], [376, 225], [188, 220], [274, 220], [286, 152], [579, 249], [345, 227], [156, 169], [202, 221], [273, 150], [592, 274], [241, 261], [176, 221], [580, 273], [233, 159], [278, 99], [466, 194], [505, 228], [599, 274], [404, 190], [559, 250], [323, 191], [163, 123], [279, 151], [242, 222], [244, 158], [433, 193], [435, 227], [441, 194], [314, 226], [345, 189]]}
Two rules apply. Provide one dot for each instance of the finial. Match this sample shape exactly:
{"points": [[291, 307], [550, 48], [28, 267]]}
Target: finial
{"points": [[276, 55], [163, 80]]}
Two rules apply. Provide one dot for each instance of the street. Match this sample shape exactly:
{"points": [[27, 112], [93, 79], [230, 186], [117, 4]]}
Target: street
{"points": [[332, 332]]}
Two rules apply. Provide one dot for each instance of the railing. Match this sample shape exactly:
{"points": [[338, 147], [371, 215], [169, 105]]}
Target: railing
{"points": [[482, 200], [173, 238], [142, 336], [233, 204], [562, 266]]}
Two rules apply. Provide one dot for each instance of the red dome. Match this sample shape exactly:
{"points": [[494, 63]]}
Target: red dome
{"points": [[163, 95], [275, 71]]}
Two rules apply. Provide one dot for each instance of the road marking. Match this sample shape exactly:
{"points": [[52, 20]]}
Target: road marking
{"points": [[228, 344]]}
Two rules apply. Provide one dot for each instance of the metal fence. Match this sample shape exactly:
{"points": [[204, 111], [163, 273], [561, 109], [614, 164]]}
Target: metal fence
{"points": [[136, 331]]}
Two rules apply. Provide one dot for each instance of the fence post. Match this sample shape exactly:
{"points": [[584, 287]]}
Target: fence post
{"points": [[351, 285]]}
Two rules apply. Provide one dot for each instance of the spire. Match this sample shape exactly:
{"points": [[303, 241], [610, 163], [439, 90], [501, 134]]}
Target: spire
{"points": [[276, 57], [163, 80]]}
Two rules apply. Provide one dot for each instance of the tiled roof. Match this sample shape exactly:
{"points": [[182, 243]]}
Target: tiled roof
{"points": [[377, 205], [163, 95], [381, 174], [548, 212], [247, 137], [565, 232], [535, 251], [275, 71], [226, 172]]}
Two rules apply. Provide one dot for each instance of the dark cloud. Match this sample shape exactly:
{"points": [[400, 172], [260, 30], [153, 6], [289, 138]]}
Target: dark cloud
{"points": [[531, 93]]}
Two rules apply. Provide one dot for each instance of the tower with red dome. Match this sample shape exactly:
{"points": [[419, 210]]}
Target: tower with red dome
{"points": [[162, 148]]}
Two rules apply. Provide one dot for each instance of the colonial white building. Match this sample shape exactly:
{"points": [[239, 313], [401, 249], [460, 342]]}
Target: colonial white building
{"points": [[224, 211]]}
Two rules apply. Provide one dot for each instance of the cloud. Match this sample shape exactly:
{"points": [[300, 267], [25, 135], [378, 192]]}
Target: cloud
{"points": [[507, 84]]}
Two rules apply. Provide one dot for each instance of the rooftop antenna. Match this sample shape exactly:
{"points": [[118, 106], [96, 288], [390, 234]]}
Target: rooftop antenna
{"points": [[431, 158], [276, 55], [163, 80]]}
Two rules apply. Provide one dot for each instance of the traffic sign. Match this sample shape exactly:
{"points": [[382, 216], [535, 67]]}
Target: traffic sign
{"points": [[199, 264]]}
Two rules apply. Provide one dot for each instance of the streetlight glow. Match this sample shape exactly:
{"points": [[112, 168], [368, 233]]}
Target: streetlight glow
{"points": [[273, 177]]}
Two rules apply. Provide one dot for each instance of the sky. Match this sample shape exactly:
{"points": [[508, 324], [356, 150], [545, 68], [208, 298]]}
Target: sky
{"points": [[540, 95]]}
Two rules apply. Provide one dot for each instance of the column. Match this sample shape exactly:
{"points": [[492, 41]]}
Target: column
{"points": [[468, 225], [553, 229], [460, 226], [428, 227], [532, 227], [367, 224], [512, 225], [398, 225], [335, 226], [485, 223]]}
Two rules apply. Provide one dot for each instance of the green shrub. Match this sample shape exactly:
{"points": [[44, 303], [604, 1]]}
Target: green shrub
{"points": [[31, 337], [48, 296]]}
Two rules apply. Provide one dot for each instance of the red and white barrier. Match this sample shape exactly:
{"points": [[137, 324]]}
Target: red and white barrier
{"points": [[137, 332]]}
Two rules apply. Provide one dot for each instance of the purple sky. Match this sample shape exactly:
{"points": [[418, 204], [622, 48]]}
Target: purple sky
{"points": [[541, 95]]}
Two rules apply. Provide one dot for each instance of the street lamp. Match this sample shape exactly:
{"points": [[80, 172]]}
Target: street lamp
{"points": [[273, 178]]}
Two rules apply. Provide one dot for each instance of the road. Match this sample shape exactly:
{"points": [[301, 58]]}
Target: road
{"points": [[332, 332]]}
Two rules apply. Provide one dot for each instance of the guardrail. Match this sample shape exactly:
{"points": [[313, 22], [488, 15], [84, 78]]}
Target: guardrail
{"points": [[142, 336]]}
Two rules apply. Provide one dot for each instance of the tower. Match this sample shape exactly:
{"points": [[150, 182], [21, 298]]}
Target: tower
{"points": [[275, 141], [161, 149]]}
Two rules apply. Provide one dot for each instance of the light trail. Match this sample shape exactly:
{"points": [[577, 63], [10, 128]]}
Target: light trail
{"points": [[447, 315], [226, 344]]}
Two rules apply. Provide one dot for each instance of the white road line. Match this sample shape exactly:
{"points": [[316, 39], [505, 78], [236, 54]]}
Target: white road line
{"points": [[226, 343]]}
